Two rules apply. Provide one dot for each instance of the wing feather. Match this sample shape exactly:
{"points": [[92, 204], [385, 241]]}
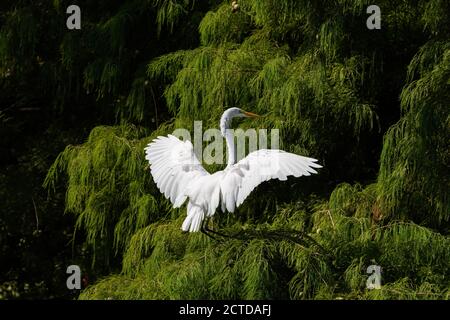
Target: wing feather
{"points": [[260, 166], [174, 167]]}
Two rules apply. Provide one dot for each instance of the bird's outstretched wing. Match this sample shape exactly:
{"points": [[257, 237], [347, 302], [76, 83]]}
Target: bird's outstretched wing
{"points": [[260, 166], [174, 166]]}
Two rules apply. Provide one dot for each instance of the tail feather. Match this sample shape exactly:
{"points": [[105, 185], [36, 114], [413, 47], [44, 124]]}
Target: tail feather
{"points": [[194, 219]]}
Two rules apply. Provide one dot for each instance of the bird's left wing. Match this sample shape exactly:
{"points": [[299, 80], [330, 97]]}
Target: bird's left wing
{"points": [[174, 166], [260, 166]]}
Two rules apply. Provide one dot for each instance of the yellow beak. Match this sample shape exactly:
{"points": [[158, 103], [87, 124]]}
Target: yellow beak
{"points": [[251, 115]]}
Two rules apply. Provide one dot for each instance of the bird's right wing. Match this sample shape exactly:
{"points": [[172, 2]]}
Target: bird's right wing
{"points": [[174, 166]]}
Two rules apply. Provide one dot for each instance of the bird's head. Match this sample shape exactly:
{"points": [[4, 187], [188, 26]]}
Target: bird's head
{"points": [[237, 112], [229, 114]]}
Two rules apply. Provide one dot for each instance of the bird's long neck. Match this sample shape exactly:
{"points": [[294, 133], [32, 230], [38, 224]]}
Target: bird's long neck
{"points": [[227, 133], [229, 137]]}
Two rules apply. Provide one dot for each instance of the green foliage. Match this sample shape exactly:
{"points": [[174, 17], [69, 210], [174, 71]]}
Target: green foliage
{"points": [[319, 92], [415, 151], [18, 37], [99, 171], [371, 105], [169, 12]]}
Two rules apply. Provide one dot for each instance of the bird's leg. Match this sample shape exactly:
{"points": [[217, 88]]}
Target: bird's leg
{"points": [[204, 230], [217, 233]]}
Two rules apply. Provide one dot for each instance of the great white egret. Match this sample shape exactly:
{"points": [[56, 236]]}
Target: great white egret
{"points": [[180, 176]]}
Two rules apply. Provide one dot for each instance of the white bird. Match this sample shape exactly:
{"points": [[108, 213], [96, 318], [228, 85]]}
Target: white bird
{"points": [[180, 176]]}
